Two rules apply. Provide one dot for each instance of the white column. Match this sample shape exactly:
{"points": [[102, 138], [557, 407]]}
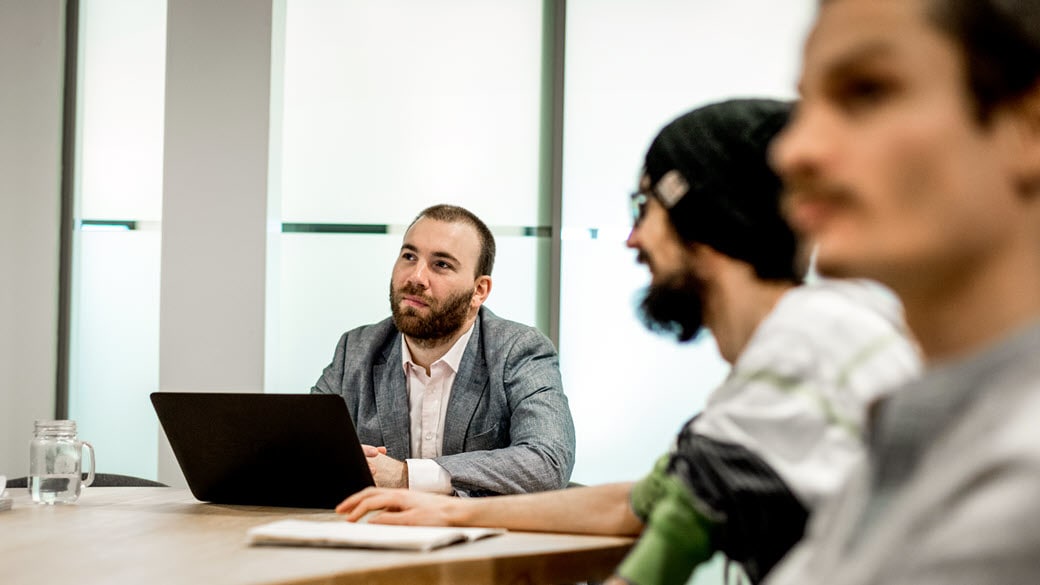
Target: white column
{"points": [[215, 200], [31, 70]]}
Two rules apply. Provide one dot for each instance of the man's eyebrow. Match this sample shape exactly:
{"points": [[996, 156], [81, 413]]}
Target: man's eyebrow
{"points": [[445, 255], [846, 63]]}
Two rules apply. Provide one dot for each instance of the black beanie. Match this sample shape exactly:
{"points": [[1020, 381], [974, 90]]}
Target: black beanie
{"points": [[731, 198]]}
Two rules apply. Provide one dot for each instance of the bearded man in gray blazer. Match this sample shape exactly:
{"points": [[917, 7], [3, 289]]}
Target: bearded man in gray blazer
{"points": [[446, 396]]}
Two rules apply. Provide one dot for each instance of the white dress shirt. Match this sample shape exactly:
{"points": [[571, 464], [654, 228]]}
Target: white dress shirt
{"points": [[427, 406]]}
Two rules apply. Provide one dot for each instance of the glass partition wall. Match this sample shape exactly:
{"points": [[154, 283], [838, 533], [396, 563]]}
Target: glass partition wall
{"points": [[114, 329], [631, 68], [389, 107], [382, 109]]}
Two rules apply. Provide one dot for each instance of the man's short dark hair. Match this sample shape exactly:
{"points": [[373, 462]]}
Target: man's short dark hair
{"points": [[455, 214], [1000, 44], [733, 198]]}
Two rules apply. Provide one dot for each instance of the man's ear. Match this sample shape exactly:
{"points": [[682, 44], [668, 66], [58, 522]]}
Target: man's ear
{"points": [[1026, 111], [702, 260], [481, 290]]}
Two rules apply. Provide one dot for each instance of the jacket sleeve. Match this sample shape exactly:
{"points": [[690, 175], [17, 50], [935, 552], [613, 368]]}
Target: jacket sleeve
{"points": [[540, 451]]}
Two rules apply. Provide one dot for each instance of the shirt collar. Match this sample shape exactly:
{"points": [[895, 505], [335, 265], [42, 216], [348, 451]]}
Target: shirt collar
{"points": [[452, 358]]}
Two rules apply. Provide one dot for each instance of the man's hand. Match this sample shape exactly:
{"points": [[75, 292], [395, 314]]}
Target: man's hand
{"points": [[386, 471], [400, 507]]}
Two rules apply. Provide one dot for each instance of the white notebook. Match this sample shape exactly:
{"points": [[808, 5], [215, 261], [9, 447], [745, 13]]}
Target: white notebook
{"points": [[349, 534]]}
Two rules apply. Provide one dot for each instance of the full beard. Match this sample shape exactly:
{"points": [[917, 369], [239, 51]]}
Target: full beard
{"points": [[444, 318], [673, 307]]}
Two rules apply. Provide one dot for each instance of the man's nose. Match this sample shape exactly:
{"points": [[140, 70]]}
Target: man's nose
{"points": [[419, 275], [633, 238], [803, 145]]}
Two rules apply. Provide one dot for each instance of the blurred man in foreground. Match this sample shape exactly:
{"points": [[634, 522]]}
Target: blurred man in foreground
{"points": [[915, 159]]}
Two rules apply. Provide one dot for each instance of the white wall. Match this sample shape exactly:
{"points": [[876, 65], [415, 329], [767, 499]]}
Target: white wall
{"points": [[214, 234], [31, 66]]}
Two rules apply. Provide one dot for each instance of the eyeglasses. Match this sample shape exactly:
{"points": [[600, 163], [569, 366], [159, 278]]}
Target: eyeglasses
{"points": [[637, 206], [668, 192]]}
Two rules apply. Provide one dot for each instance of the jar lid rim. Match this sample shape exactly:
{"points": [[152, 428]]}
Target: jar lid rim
{"points": [[59, 424]]}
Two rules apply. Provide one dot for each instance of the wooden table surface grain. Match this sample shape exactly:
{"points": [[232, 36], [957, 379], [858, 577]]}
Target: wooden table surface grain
{"points": [[157, 536]]}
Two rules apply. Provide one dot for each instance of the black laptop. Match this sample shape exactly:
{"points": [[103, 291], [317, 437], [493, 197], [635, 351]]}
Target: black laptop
{"points": [[293, 450]]}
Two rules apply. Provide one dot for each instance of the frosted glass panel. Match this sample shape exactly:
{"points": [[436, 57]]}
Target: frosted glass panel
{"points": [[632, 67], [331, 283], [122, 78], [519, 284], [630, 390], [114, 340], [115, 348], [394, 105]]}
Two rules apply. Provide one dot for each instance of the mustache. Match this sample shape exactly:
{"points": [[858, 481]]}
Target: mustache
{"points": [[413, 290], [803, 189]]}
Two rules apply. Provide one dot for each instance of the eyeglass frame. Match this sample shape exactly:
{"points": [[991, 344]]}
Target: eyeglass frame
{"points": [[637, 206], [675, 188]]}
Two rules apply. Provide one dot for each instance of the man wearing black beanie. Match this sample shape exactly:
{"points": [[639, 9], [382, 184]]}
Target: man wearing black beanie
{"points": [[780, 433]]}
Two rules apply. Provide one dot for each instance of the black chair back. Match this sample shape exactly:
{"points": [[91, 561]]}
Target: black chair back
{"points": [[100, 480]]}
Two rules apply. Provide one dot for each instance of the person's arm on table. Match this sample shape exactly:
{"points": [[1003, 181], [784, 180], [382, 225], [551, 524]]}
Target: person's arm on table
{"points": [[601, 510]]}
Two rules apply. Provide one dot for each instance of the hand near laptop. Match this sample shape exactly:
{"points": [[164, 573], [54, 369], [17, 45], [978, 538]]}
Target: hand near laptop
{"points": [[396, 506], [386, 471]]}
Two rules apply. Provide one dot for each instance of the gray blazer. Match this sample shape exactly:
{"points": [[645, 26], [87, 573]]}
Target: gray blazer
{"points": [[508, 428]]}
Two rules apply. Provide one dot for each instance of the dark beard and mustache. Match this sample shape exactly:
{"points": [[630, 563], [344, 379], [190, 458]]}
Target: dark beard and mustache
{"points": [[674, 307], [444, 320]]}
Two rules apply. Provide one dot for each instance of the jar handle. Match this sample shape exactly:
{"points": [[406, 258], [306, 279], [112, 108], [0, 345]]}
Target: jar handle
{"points": [[90, 474]]}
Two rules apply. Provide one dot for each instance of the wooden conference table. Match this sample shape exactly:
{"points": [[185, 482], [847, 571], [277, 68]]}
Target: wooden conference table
{"points": [[154, 536]]}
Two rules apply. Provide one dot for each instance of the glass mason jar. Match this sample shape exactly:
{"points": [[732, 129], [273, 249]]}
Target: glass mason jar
{"points": [[55, 457]]}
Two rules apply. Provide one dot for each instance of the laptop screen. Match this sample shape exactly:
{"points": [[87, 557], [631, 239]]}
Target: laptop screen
{"points": [[293, 450]]}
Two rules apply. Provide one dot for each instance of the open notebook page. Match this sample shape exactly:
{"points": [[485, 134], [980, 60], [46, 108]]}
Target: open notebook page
{"points": [[349, 534]]}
